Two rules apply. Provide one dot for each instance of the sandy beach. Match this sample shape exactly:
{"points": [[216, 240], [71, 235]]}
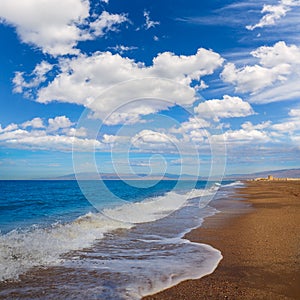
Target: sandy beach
{"points": [[260, 242]]}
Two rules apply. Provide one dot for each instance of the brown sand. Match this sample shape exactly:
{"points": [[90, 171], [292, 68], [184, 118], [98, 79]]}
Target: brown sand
{"points": [[261, 247]]}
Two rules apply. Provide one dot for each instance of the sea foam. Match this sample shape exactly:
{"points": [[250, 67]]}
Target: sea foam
{"points": [[22, 250]]}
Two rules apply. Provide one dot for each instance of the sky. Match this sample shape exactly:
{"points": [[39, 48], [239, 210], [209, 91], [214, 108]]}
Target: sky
{"points": [[148, 87]]}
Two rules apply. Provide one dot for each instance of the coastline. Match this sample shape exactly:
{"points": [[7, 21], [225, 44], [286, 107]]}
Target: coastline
{"points": [[259, 240]]}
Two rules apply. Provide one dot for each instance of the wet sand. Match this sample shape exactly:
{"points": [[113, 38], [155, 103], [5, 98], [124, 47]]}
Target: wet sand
{"points": [[260, 244]]}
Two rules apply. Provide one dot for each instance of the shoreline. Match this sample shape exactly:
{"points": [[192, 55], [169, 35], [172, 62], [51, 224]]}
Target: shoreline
{"points": [[259, 240]]}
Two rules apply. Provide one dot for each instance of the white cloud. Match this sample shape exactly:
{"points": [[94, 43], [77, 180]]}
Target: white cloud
{"points": [[275, 78], [291, 124], [150, 136], [126, 117], [288, 126], [58, 123], [149, 139], [56, 26], [103, 82], [228, 107], [112, 139], [193, 130], [148, 22], [278, 54], [201, 86], [198, 135], [106, 22], [193, 133], [37, 77], [242, 136], [295, 112], [273, 13], [282, 132], [42, 138], [288, 91], [9, 127], [186, 68], [249, 126], [49, 25], [34, 123], [254, 78], [78, 132], [121, 48], [296, 140], [193, 123], [55, 143], [14, 135]]}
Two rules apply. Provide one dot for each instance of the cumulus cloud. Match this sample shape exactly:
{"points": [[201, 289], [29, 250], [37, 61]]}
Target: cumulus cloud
{"points": [[198, 135], [34, 135], [105, 81], [56, 26], [275, 78], [228, 107], [291, 124], [282, 132], [177, 138], [37, 77], [295, 112], [58, 123], [193, 123], [126, 117], [273, 13], [278, 54], [249, 126], [242, 136], [106, 22], [53, 142], [78, 132], [113, 139], [9, 127], [149, 139], [185, 68], [34, 123], [288, 126], [254, 78]]}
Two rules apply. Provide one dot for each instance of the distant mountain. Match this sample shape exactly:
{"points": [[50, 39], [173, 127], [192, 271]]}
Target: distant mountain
{"points": [[291, 173], [294, 173], [112, 176]]}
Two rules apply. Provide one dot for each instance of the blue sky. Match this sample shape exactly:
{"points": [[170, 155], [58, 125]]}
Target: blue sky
{"points": [[192, 87]]}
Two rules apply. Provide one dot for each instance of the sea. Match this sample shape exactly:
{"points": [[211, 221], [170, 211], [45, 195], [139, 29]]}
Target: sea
{"points": [[55, 244]]}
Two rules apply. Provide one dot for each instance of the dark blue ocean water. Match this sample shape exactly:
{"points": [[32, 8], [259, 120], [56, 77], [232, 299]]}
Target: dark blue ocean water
{"points": [[27, 203]]}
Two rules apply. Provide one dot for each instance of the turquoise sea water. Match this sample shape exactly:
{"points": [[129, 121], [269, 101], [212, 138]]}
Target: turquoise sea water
{"points": [[121, 251]]}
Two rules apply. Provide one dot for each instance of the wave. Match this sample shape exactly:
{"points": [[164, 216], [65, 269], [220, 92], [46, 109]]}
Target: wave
{"points": [[235, 183], [156, 208], [20, 250], [148, 210]]}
